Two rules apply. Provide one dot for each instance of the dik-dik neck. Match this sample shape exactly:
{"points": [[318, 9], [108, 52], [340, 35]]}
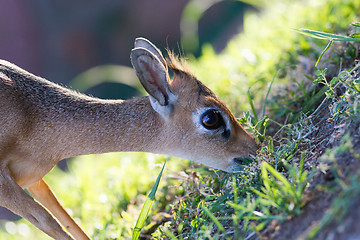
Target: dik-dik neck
{"points": [[100, 126]]}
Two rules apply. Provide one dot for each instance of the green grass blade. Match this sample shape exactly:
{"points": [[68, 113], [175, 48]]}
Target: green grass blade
{"points": [[237, 206], [315, 100], [269, 89], [355, 35], [268, 92], [146, 208], [142, 217], [252, 106], [278, 175], [213, 218], [156, 185], [170, 234], [265, 177], [301, 165], [324, 35], [324, 51]]}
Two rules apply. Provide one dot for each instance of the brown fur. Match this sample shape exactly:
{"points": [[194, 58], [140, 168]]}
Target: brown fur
{"points": [[43, 123]]}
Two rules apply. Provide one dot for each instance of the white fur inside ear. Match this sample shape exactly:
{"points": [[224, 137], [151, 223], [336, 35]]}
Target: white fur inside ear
{"points": [[164, 111]]}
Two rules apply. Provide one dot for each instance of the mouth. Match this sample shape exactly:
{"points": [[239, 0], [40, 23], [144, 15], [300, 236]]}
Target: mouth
{"points": [[239, 164], [242, 161]]}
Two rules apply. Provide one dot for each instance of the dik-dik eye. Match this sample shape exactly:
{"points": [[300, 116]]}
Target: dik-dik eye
{"points": [[212, 119]]}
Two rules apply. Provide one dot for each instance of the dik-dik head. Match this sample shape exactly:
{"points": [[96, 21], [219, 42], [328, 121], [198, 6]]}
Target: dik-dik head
{"points": [[197, 125]]}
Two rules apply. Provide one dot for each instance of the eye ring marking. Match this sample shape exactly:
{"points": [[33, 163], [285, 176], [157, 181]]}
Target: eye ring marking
{"points": [[212, 119]]}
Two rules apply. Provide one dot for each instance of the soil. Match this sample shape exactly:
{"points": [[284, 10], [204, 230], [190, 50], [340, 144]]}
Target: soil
{"points": [[322, 190]]}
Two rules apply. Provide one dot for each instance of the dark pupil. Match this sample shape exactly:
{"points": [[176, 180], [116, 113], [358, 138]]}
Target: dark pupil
{"points": [[211, 119]]}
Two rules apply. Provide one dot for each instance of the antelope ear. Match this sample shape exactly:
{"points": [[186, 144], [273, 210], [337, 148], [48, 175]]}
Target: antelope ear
{"points": [[155, 79], [144, 43]]}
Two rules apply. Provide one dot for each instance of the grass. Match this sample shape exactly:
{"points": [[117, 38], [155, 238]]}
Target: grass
{"points": [[270, 189], [146, 208]]}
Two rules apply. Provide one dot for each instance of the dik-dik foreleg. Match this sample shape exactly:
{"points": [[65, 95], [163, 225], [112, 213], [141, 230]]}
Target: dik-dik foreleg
{"points": [[42, 192], [13, 197]]}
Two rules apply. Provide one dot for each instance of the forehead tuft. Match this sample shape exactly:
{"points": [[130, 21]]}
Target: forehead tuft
{"points": [[178, 66], [181, 70]]}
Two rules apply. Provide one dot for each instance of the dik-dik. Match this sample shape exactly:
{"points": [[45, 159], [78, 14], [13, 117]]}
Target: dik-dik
{"points": [[42, 123]]}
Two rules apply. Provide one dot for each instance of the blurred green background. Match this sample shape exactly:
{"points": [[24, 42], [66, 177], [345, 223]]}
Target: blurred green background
{"points": [[232, 46]]}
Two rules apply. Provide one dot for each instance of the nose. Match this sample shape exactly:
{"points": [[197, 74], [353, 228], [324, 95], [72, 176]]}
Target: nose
{"points": [[238, 164], [248, 151]]}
